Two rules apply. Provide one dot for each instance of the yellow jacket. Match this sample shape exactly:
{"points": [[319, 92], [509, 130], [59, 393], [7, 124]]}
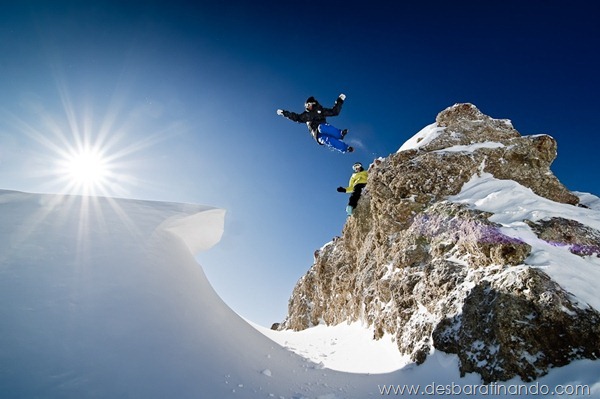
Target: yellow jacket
{"points": [[357, 178]]}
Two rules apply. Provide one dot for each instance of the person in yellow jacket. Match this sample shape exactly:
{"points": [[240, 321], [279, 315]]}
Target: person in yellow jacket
{"points": [[358, 181]]}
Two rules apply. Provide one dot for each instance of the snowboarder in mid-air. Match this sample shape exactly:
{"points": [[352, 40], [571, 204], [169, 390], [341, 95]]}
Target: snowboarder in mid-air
{"points": [[358, 181], [314, 116]]}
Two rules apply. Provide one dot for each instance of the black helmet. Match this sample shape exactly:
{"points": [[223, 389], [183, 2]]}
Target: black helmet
{"points": [[309, 103]]}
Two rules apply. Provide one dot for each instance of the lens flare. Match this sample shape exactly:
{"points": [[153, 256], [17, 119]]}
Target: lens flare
{"points": [[86, 168]]}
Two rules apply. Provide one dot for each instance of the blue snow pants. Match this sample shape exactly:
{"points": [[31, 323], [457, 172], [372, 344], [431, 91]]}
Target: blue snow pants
{"points": [[331, 136]]}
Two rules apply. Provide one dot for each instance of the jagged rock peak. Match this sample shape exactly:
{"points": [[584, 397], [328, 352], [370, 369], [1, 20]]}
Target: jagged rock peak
{"points": [[464, 140], [414, 263], [466, 117]]}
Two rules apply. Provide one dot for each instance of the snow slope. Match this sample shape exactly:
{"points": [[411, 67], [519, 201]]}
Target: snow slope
{"points": [[103, 298], [422, 137]]}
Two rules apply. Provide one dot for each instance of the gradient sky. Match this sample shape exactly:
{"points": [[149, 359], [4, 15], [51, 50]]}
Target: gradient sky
{"points": [[181, 100]]}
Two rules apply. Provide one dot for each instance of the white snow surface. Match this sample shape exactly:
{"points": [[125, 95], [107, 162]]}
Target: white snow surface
{"points": [[422, 138], [345, 347], [103, 298], [471, 147]]}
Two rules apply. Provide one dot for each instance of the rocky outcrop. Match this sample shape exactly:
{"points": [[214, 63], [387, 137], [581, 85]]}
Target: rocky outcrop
{"points": [[518, 323], [436, 274], [581, 240]]}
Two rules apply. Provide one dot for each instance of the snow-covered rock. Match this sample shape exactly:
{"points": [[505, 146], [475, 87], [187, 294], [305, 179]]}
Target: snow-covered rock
{"points": [[465, 241]]}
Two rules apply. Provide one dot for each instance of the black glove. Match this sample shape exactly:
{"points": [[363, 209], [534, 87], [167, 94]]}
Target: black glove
{"points": [[341, 190]]}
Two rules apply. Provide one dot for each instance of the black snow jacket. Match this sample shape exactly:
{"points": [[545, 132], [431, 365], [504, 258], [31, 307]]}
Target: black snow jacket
{"points": [[315, 116]]}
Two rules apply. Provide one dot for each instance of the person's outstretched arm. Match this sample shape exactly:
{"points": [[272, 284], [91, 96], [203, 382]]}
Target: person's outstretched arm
{"points": [[300, 118], [337, 106]]}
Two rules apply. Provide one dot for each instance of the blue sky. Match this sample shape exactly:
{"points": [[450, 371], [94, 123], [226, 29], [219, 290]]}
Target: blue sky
{"points": [[181, 99]]}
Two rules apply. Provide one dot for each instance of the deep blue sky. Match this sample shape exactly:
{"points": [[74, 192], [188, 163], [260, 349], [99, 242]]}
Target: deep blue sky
{"points": [[182, 99]]}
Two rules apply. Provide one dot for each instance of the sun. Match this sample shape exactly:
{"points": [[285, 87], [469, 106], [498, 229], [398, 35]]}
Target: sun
{"points": [[85, 170], [91, 148]]}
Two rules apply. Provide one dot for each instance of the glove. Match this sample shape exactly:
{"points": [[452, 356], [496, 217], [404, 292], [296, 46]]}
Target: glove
{"points": [[341, 190], [342, 97], [280, 112]]}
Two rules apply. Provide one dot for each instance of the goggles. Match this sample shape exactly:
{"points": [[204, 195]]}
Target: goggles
{"points": [[357, 167], [309, 106]]}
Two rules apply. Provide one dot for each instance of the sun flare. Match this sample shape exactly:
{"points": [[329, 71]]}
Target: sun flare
{"points": [[87, 168], [76, 153]]}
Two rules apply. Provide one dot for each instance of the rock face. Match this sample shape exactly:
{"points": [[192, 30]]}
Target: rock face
{"points": [[437, 274]]}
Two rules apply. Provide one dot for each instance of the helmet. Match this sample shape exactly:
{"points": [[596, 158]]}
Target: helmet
{"points": [[309, 103], [357, 167]]}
